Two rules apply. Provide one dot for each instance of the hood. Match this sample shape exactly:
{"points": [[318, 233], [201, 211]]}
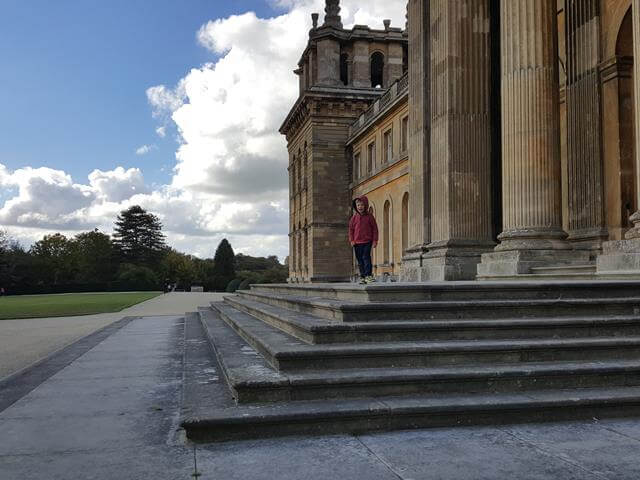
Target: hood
{"points": [[364, 200]]}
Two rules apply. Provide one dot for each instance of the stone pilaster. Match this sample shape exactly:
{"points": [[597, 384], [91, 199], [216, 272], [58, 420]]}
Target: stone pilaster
{"points": [[587, 224], [531, 190], [622, 257], [460, 138], [418, 141]]}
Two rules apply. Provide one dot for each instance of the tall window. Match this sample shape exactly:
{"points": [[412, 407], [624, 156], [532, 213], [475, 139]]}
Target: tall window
{"points": [[405, 222], [305, 162], [387, 233], [377, 70], [356, 165], [404, 134], [388, 145], [371, 156], [293, 176], [344, 69]]}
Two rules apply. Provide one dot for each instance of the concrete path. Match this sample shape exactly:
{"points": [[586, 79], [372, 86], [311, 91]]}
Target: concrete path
{"points": [[113, 412], [24, 342]]}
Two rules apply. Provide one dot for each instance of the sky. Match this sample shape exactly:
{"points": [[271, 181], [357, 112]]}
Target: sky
{"points": [[173, 105]]}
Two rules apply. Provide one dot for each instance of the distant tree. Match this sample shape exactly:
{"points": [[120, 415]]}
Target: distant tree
{"points": [[54, 259], [136, 277], [179, 269], [224, 269], [232, 286], [138, 237], [94, 257]]}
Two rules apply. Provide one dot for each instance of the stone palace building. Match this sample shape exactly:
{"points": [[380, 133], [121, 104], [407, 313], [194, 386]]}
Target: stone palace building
{"points": [[495, 139]]}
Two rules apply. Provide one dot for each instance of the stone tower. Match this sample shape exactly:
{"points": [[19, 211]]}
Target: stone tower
{"points": [[341, 72]]}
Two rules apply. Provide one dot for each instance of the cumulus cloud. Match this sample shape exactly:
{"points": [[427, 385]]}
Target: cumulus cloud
{"points": [[230, 177], [117, 185]]}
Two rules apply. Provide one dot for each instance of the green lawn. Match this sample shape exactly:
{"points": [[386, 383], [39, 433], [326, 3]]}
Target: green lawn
{"points": [[33, 306]]}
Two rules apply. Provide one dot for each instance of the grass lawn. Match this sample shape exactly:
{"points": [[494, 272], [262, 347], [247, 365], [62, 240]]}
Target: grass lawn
{"points": [[68, 304]]}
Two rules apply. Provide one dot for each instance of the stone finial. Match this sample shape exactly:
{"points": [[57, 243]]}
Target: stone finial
{"points": [[387, 23], [314, 20], [332, 17]]}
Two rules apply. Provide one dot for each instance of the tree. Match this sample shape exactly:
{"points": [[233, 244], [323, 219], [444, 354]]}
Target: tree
{"points": [[54, 258], [93, 254], [224, 269], [138, 237], [135, 277], [180, 269]]}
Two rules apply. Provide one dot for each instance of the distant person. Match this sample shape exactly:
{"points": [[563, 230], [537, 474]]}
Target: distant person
{"points": [[1, 291], [363, 236]]}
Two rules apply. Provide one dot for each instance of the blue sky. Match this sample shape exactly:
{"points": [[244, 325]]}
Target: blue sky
{"points": [[76, 71]]}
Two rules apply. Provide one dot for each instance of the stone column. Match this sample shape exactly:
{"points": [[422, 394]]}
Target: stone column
{"points": [[460, 138], [587, 225], [418, 140], [361, 75], [531, 179], [622, 258]]}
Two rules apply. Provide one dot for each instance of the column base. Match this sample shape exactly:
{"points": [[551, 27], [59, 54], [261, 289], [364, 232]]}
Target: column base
{"points": [[590, 239], [620, 258], [454, 259], [500, 264], [412, 269]]}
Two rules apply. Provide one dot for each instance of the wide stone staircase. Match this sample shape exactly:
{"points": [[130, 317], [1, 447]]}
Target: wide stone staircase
{"points": [[343, 358]]}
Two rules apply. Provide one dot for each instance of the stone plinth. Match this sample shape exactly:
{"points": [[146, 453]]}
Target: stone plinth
{"points": [[620, 257], [520, 262]]}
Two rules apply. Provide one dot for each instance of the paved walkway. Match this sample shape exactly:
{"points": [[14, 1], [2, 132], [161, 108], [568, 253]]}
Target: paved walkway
{"points": [[112, 413], [24, 342]]}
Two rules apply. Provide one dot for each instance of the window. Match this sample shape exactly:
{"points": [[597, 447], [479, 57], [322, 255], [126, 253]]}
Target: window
{"points": [[388, 257], [371, 156], [387, 139], [305, 163], [404, 133], [344, 69], [405, 222], [356, 166], [377, 70]]}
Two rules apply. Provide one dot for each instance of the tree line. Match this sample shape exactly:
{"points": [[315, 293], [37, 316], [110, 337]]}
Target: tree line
{"points": [[135, 257]]}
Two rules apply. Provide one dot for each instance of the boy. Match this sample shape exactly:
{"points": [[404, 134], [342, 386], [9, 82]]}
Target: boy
{"points": [[363, 235]]}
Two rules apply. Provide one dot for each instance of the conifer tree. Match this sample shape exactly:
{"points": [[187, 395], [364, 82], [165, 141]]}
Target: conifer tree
{"points": [[224, 269], [138, 237]]}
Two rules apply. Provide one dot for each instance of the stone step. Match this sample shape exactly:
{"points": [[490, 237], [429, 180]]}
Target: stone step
{"points": [[252, 380], [357, 416], [286, 353], [316, 330], [350, 311], [566, 269], [441, 291]]}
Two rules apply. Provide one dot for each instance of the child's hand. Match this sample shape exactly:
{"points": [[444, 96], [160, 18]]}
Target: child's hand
{"points": [[353, 244], [375, 244]]}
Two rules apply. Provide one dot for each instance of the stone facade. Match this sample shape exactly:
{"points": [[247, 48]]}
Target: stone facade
{"points": [[520, 140]]}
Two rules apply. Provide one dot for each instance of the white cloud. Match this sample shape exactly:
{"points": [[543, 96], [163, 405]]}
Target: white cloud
{"points": [[230, 175], [144, 149]]}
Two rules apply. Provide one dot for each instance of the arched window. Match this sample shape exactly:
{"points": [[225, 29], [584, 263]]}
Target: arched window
{"points": [[377, 70], [344, 69], [388, 249], [405, 222]]}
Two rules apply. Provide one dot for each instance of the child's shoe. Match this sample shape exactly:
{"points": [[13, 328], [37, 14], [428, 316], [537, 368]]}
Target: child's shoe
{"points": [[362, 281], [370, 279]]}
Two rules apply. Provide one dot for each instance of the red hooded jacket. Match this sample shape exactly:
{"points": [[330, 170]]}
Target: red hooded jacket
{"points": [[362, 228]]}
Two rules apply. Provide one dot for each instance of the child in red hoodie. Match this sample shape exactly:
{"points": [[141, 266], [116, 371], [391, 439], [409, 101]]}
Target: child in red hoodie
{"points": [[363, 235]]}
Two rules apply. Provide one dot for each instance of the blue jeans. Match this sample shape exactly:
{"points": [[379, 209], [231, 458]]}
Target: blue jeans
{"points": [[363, 256]]}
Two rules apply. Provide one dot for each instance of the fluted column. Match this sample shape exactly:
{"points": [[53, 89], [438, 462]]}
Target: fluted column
{"points": [[634, 232], [460, 138], [419, 139], [531, 188], [587, 224], [531, 179]]}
